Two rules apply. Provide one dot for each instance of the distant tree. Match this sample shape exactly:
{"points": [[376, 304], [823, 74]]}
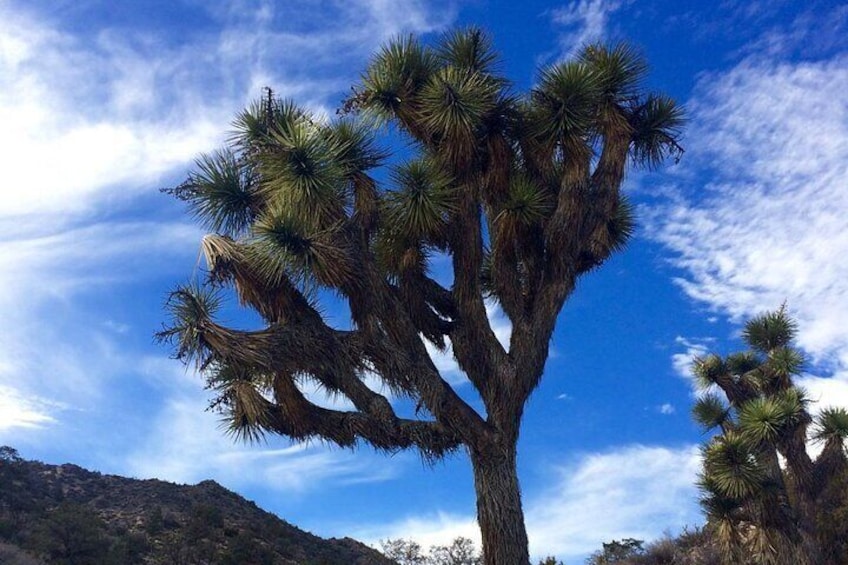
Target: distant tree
{"points": [[617, 551], [550, 560], [9, 455], [461, 551], [177, 550], [129, 548], [405, 552], [759, 510], [521, 193], [16, 499]]}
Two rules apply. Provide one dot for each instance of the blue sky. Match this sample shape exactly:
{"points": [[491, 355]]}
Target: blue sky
{"points": [[102, 103]]}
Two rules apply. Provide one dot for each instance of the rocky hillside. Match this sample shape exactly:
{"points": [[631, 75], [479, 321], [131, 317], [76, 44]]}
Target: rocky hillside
{"points": [[65, 514]]}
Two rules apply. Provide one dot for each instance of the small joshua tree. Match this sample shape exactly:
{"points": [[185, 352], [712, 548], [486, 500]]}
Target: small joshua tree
{"points": [[762, 489]]}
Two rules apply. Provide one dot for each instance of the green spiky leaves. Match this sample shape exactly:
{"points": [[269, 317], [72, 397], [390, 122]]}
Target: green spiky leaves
{"points": [[222, 193], [527, 203], [398, 71], [601, 94], [831, 425], [254, 126], [301, 173], [356, 147], [416, 216], [732, 468], [709, 370], [565, 101], [286, 248], [190, 308], [453, 106], [657, 124], [620, 227], [710, 411], [742, 362], [763, 420], [785, 363], [240, 400], [420, 208], [620, 70], [770, 331], [470, 49]]}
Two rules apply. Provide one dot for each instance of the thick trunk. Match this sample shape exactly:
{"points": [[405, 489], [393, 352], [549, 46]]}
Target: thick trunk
{"points": [[499, 511], [810, 548]]}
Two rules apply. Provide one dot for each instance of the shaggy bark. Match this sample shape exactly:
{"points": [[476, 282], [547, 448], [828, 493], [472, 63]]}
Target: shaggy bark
{"points": [[499, 511]]}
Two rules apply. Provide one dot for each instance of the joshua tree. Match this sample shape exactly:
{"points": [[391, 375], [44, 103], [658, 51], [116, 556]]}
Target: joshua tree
{"points": [[521, 194], [760, 510]]}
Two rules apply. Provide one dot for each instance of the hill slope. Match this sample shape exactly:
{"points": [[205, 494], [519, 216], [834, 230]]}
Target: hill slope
{"points": [[66, 514]]}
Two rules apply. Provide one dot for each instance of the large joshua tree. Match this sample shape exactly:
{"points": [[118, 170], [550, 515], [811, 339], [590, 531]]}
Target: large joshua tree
{"points": [[521, 193], [762, 511]]}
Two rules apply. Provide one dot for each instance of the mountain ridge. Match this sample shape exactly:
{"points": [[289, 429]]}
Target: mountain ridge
{"points": [[68, 514]]}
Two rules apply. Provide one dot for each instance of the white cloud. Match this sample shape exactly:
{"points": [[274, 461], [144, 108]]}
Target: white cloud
{"points": [[770, 143], [585, 21], [633, 491], [636, 491], [19, 412], [695, 348], [817, 30], [825, 391], [439, 528], [58, 264], [71, 128], [666, 409]]}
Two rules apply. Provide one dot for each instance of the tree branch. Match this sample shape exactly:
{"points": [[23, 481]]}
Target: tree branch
{"points": [[478, 351]]}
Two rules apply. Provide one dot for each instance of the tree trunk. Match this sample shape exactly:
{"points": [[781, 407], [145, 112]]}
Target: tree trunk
{"points": [[499, 511]]}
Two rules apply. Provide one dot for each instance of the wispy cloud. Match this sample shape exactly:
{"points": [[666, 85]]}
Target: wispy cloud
{"points": [[53, 349], [768, 226], [17, 411], [694, 348], [820, 29], [757, 213], [583, 22]]}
